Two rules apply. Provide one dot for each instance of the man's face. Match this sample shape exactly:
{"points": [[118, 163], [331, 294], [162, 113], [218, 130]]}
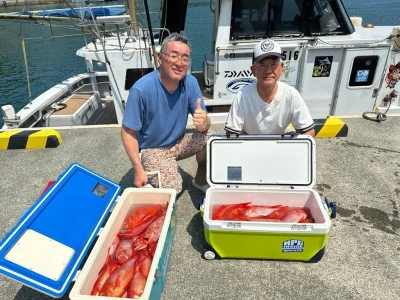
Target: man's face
{"points": [[268, 70], [174, 60]]}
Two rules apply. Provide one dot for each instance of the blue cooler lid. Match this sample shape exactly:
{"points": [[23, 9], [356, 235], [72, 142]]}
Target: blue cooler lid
{"points": [[261, 160], [47, 245]]}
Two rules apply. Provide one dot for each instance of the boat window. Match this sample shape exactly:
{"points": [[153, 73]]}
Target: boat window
{"points": [[252, 19], [324, 19], [363, 70], [132, 75], [249, 19]]}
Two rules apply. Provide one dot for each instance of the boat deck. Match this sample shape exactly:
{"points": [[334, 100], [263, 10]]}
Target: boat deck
{"points": [[109, 115], [360, 172], [207, 96]]}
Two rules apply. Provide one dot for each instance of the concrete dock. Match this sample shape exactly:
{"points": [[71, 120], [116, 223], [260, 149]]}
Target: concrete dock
{"points": [[360, 172]]}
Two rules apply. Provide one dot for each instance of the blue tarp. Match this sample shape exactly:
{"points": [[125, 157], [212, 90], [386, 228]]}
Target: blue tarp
{"points": [[79, 12]]}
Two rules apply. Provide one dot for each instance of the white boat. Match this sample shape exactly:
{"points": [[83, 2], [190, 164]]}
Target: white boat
{"points": [[339, 66]]}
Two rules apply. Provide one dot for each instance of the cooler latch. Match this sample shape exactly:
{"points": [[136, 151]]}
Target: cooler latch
{"points": [[232, 186]]}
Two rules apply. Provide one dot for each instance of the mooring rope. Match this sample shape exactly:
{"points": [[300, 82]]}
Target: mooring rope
{"points": [[26, 70]]}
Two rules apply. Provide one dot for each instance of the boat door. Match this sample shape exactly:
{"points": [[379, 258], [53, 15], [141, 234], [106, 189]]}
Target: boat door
{"points": [[360, 81], [319, 78]]}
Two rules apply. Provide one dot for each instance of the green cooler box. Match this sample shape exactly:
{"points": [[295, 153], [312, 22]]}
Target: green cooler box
{"points": [[264, 170]]}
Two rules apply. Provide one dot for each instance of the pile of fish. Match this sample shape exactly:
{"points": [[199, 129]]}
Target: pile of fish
{"points": [[262, 213], [129, 258]]}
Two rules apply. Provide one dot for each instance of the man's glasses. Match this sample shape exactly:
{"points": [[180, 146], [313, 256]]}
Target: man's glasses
{"points": [[175, 58], [264, 67]]}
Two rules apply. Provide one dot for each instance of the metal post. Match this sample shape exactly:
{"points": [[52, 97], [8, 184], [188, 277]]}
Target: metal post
{"points": [[151, 33]]}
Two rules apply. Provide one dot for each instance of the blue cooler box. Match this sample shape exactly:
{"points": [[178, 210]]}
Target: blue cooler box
{"points": [[46, 247]]}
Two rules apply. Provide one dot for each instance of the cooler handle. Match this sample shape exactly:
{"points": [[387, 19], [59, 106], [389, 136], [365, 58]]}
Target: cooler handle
{"points": [[330, 207]]}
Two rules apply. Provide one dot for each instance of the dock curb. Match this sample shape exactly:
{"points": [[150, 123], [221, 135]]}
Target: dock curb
{"points": [[330, 127], [29, 139]]}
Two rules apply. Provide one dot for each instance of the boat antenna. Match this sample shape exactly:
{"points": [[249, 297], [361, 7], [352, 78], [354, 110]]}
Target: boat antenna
{"points": [[146, 7]]}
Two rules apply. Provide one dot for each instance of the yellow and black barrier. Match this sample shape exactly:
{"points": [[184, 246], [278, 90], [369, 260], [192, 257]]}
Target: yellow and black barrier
{"points": [[330, 127], [29, 139]]}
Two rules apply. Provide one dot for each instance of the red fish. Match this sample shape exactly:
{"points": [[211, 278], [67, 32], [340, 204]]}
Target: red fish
{"points": [[142, 269], [137, 285], [109, 266], [117, 284], [230, 212], [105, 273], [265, 220], [260, 211], [142, 214], [308, 220], [295, 216], [131, 232], [151, 234], [124, 251], [152, 248], [111, 251], [144, 262]]}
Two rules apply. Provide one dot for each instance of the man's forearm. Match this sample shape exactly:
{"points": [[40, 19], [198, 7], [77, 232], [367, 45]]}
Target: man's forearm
{"points": [[310, 132], [131, 147]]}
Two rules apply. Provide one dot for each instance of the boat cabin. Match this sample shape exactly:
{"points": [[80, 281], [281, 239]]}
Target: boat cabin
{"points": [[337, 67]]}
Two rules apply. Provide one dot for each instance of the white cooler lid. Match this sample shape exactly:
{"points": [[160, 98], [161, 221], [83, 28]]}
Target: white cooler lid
{"points": [[267, 160]]}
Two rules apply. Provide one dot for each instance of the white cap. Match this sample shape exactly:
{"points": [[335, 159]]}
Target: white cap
{"points": [[266, 48]]}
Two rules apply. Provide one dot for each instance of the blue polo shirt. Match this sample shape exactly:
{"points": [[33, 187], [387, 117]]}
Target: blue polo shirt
{"points": [[158, 116]]}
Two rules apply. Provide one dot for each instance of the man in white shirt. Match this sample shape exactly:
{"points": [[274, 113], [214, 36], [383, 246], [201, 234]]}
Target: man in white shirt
{"points": [[268, 106]]}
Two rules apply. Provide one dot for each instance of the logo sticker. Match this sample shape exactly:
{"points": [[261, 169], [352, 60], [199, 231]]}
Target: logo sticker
{"points": [[242, 73], [267, 46], [236, 85], [234, 225], [292, 246], [322, 66], [299, 227], [238, 55], [362, 75]]}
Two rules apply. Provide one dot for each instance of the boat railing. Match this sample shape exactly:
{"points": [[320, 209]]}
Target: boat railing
{"points": [[135, 30]]}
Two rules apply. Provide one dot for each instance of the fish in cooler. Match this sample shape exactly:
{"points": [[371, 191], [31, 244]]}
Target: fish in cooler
{"points": [[262, 213], [129, 258]]}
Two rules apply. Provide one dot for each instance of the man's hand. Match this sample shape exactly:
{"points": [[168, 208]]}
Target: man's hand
{"points": [[200, 118], [140, 177]]}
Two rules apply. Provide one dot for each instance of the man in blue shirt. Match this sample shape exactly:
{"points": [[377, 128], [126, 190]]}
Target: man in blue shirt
{"points": [[156, 115]]}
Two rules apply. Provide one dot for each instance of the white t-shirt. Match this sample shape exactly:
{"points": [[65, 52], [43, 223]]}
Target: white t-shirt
{"points": [[249, 114]]}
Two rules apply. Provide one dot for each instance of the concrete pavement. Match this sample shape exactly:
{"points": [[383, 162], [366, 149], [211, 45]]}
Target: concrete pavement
{"points": [[360, 172]]}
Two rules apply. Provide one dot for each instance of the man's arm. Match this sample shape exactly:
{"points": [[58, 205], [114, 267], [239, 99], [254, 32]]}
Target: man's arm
{"points": [[310, 132], [131, 145]]}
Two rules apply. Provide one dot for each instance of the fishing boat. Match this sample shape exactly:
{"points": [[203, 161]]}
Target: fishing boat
{"points": [[64, 14], [338, 64]]}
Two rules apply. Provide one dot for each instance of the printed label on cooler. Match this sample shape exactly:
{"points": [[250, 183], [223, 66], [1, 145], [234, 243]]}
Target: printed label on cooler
{"points": [[293, 246]]}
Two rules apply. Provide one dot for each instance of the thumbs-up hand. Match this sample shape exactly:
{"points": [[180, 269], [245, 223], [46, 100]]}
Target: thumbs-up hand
{"points": [[200, 118], [198, 104]]}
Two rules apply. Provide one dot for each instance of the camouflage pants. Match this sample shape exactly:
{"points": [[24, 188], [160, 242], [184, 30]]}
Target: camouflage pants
{"points": [[164, 160]]}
